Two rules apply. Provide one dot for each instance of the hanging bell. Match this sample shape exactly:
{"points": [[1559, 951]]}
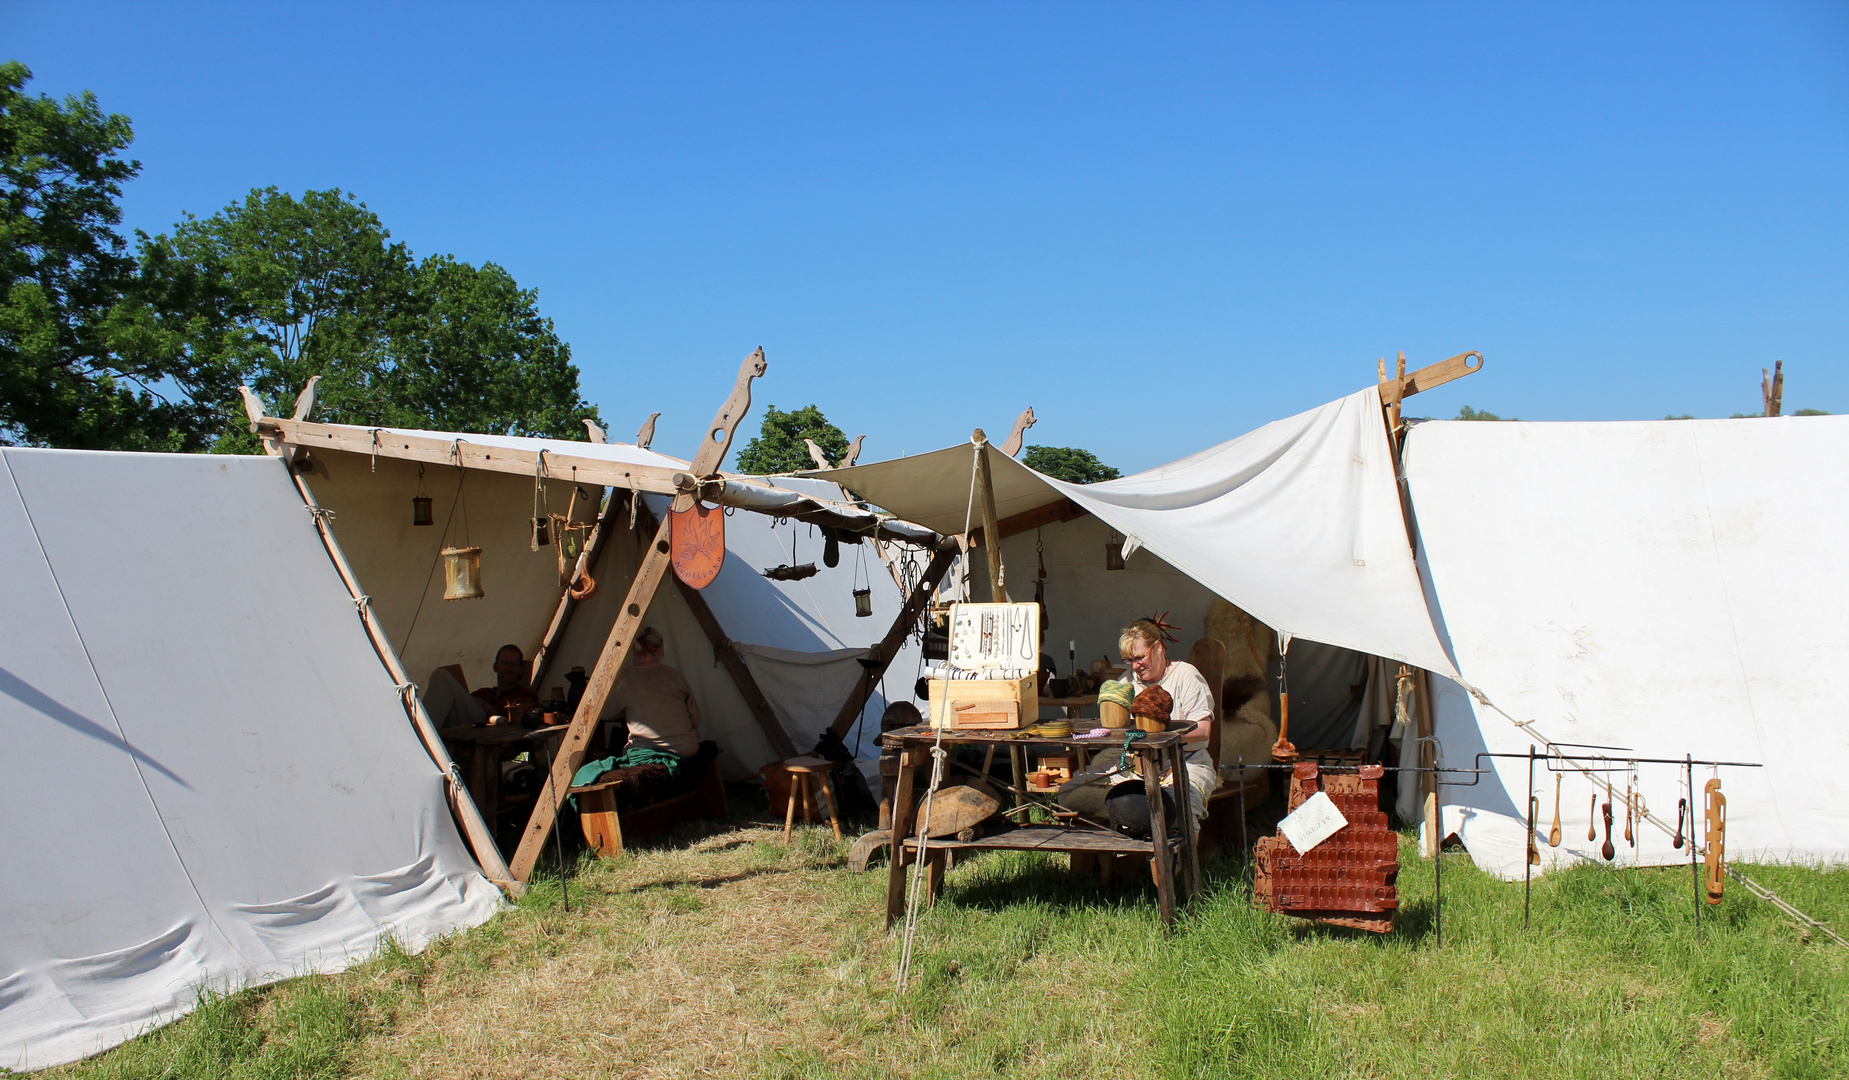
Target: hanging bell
{"points": [[863, 603], [420, 510], [462, 573]]}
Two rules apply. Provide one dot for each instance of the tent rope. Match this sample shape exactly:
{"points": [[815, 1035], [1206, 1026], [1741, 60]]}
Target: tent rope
{"points": [[938, 756]]}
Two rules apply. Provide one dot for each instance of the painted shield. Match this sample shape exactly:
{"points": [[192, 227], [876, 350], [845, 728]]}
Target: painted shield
{"points": [[698, 538]]}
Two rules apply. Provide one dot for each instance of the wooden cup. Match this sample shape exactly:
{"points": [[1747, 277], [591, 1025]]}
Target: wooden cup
{"points": [[1113, 715]]}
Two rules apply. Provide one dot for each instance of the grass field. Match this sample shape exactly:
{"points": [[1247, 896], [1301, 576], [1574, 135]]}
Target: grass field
{"points": [[729, 954]]}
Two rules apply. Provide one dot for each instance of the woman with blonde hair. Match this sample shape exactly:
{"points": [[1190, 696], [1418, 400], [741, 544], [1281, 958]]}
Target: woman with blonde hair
{"points": [[1144, 648]]}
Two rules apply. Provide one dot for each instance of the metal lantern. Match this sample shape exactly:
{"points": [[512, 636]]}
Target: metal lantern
{"points": [[420, 503], [863, 603], [462, 573], [542, 531], [1114, 552]]}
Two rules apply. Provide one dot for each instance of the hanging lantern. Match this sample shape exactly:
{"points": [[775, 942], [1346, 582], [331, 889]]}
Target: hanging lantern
{"points": [[462, 573], [571, 541], [863, 603], [542, 531], [1114, 552], [420, 503]]}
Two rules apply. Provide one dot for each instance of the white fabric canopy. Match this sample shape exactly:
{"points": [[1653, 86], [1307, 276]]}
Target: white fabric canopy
{"points": [[1676, 587], [1298, 522], [209, 779]]}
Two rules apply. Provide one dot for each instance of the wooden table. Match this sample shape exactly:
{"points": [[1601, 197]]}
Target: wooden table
{"points": [[1167, 853], [484, 747]]}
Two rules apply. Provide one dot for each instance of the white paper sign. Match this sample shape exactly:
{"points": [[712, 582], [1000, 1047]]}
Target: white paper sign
{"points": [[1310, 824]]}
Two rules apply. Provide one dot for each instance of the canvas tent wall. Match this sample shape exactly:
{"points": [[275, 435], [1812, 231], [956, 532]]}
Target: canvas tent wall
{"points": [[1676, 587], [397, 565], [1298, 523], [210, 778]]}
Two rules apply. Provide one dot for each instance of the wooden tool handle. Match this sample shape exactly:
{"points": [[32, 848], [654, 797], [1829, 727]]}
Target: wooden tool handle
{"points": [[1553, 834], [1534, 813], [1681, 812], [1608, 850], [1592, 819]]}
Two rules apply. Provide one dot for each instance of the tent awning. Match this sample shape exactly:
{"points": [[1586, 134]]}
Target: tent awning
{"points": [[1299, 522]]}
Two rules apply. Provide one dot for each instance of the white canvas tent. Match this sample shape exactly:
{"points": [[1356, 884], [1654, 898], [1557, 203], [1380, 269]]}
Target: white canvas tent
{"points": [[1676, 587], [1666, 586], [210, 779]]}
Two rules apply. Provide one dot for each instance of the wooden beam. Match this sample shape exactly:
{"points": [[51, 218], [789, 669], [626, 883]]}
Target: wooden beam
{"points": [[735, 666], [610, 662], [1402, 385], [1052, 513], [985, 496], [889, 645], [460, 451], [587, 561]]}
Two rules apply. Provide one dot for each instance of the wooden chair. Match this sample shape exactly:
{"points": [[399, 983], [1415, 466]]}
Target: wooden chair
{"points": [[807, 776]]}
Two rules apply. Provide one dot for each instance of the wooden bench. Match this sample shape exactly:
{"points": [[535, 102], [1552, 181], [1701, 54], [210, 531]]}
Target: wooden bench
{"points": [[606, 828]]}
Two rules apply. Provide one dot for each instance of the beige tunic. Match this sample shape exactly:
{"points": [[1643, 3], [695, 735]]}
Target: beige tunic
{"points": [[660, 709]]}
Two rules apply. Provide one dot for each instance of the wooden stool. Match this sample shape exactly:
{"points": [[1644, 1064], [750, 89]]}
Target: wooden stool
{"points": [[807, 775]]}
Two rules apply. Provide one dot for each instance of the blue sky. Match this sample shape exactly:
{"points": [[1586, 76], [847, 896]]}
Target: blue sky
{"points": [[1160, 225]]}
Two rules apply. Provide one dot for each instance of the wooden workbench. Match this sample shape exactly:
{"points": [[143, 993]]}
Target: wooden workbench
{"points": [[1156, 753]]}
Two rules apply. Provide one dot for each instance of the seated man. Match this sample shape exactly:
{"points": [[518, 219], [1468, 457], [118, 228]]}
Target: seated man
{"points": [[451, 705]]}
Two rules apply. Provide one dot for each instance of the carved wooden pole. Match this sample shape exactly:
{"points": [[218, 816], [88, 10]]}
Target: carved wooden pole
{"points": [[985, 494]]}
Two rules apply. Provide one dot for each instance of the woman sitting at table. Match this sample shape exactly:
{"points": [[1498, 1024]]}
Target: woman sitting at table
{"points": [[1145, 656]]}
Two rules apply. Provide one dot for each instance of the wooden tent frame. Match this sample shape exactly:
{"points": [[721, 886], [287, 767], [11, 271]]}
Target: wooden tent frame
{"points": [[288, 439]]}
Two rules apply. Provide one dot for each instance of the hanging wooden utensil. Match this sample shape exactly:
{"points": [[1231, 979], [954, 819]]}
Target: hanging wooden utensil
{"points": [[1592, 818], [1553, 834], [1715, 814], [1609, 850], [1681, 812], [1637, 803], [1629, 804], [1534, 812]]}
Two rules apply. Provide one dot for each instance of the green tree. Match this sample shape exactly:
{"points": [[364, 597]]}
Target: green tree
{"points": [[1068, 463], [64, 270], [274, 289], [778, 446], [1468, 413]]}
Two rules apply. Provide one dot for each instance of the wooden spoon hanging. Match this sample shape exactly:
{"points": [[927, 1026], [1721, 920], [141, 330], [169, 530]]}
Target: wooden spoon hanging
{"points": [[1592, 817], [1534, 812], [1553, 834], [1681, 812], [1609, 851]]}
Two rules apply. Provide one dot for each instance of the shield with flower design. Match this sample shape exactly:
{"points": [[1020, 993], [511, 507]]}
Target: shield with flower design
{"points": [[697, 536]]}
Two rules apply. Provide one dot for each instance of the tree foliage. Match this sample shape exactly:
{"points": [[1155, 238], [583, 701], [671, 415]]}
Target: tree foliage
{"points": [[778, 446], [314, 286], [1468, 413], [63, 271], [103, 349], [1068, 463]]}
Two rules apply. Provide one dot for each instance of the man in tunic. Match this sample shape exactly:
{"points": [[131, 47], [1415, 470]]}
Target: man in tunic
{"points": [[656, 702], [450, 704]]}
